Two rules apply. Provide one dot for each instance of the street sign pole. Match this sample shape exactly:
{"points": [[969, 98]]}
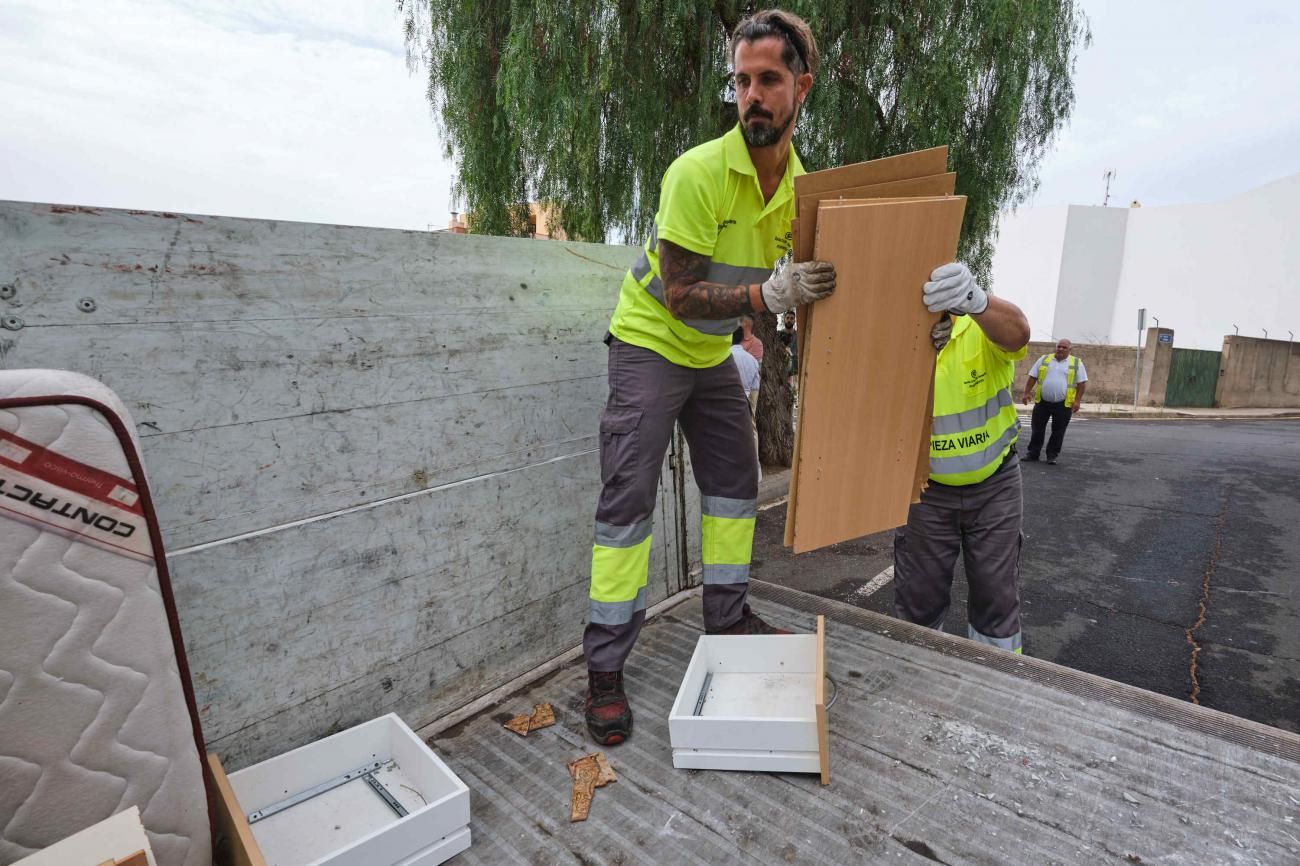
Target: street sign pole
{"points": [[1137, 372]]}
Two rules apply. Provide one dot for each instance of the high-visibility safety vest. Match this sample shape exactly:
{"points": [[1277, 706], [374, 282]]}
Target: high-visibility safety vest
{"points": [[710, 203], [975, 421], [1071, 372]]}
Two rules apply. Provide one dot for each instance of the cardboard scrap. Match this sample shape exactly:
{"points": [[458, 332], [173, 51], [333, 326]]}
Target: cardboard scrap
{"points": [[589, 773], [542, 716]]}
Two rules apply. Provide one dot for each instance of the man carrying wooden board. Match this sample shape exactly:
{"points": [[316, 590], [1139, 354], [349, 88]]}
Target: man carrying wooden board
{"points": [[723, 223], [973, 503]]}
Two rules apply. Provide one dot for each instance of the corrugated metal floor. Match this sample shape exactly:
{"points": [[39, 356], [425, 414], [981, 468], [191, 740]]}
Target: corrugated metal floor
{"points": [[940, 752]]}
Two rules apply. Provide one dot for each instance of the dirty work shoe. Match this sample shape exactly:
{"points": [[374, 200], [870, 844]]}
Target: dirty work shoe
{"points": [[1032, 458], [609, 715], [1051, 461], [749, 623]]}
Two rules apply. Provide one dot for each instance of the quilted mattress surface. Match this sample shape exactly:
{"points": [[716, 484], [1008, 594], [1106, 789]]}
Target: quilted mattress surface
{"points": [[95, 710]]}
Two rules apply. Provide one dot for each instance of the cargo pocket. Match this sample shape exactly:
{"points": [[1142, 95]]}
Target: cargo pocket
{"points": [[618, 445]]}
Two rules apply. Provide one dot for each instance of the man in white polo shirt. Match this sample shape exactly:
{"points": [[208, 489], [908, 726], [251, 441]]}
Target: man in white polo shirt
{"points": [[1056, 384]]}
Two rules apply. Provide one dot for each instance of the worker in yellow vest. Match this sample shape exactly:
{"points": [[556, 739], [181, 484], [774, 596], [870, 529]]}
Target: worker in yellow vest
{"points": [[972, 505], [1056, 383], [723, 224]]}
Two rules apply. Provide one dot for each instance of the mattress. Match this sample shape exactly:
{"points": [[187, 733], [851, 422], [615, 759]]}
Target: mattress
{"points": [[96, 710]]}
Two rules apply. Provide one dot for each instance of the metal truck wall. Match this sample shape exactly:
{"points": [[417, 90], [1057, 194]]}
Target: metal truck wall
{"points": [[374, 452]]}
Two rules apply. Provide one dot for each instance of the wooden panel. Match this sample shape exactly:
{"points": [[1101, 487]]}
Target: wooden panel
{"points": [[920, 740], [415, 606], [930, 185], [234, 841], [918, 163], [373, 451], [823, 732], [870, 368]]}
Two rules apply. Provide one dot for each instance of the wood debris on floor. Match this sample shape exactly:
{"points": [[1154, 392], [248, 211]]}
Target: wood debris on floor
{"points": [[542, 716], [589, 773]]}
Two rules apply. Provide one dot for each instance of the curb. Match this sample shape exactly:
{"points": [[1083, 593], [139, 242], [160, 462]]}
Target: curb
{"points": [[1187, 416]]}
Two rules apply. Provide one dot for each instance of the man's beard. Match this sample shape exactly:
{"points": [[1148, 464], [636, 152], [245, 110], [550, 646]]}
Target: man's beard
{"points": [[763, 136]]}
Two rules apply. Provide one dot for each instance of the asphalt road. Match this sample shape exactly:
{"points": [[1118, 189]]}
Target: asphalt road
{"points": [[1138, 524]]}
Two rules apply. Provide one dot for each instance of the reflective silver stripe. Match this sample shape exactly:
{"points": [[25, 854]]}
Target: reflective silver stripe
{"points": [[736, 275], [972, 419], [616, 612], [721, 506], [715, 327], [719, 574], [977, 459], [1010, 644], [641, 267], [656, 289], [609, 535]]}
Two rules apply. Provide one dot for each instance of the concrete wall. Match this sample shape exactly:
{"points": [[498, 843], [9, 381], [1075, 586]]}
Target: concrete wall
{"points": [[374, 452], [1203, 268], [1090, 271], [1258, 373], [1199, 268], [1157, 355], [1027, 264], [1110, 370]]}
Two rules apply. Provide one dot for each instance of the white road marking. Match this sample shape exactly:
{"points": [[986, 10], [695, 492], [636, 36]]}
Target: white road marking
{"points": [[873, 585]]}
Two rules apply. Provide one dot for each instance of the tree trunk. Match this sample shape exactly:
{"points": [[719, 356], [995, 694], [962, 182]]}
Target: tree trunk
{"points": [[775, 399]]}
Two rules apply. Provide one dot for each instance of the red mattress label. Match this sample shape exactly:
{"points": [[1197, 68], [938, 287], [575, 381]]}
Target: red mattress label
{"points": [[47, 489]]}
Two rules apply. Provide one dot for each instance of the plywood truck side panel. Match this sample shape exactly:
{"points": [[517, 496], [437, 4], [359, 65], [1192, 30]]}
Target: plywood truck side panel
{"points": [[870, 368]]}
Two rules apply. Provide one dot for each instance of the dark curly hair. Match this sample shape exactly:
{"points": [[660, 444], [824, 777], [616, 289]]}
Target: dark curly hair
{"points": [[800, 52]]}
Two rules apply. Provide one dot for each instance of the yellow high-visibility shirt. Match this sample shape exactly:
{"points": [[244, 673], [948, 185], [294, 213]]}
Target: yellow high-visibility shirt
{"points": [[710, 203], [975, 421]]}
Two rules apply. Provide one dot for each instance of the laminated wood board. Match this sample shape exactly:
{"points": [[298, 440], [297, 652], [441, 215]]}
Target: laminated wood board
{"points": [[869, 368], [823, 732], [918, 163], [803, 232], [806, 208], [853, 180]]}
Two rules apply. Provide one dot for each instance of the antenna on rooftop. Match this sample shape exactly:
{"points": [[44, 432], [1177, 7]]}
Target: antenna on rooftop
{"points": [[1108, 175]]}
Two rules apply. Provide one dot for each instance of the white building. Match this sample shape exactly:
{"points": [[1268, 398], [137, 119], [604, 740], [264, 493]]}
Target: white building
{"points": [[1082, 272]]}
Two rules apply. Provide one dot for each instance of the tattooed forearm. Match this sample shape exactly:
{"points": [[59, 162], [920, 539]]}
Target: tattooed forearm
{"points": [[688, 295]]}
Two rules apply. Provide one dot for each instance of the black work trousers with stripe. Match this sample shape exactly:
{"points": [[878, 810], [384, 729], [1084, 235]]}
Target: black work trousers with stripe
{"points": [[1059, 414]]}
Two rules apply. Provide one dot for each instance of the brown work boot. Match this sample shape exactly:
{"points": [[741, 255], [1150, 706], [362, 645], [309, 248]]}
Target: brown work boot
{"points": [[609, 715], [749, 623]]}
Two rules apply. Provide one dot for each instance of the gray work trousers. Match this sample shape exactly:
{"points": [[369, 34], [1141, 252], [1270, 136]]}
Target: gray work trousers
{"points": [[983, 523], [648, 395]]}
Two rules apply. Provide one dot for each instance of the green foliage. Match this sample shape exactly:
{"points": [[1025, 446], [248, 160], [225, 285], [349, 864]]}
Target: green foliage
{"points": [[584, 103]]}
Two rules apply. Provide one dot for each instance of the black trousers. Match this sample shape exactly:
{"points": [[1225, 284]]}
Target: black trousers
{"points": [[1059, 413]]}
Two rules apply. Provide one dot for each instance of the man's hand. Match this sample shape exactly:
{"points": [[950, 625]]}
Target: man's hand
{"points": [[954, 290], [798, 283], [1027, 397], [1075, 407], [941, 333]]}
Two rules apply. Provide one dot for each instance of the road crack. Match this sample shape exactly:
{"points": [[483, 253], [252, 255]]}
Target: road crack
{"points": [[1203, 613]]}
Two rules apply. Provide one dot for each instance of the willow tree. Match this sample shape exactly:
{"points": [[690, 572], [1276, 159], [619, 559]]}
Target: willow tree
{"points": [[584, 103]]}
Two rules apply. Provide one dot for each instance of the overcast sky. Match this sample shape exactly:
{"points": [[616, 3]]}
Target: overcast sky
{"points": [[304, 109]]}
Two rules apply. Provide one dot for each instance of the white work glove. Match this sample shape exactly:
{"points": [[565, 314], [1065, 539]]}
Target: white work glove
{"points": [[952, 289], [941, 333], [798, 283]]}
